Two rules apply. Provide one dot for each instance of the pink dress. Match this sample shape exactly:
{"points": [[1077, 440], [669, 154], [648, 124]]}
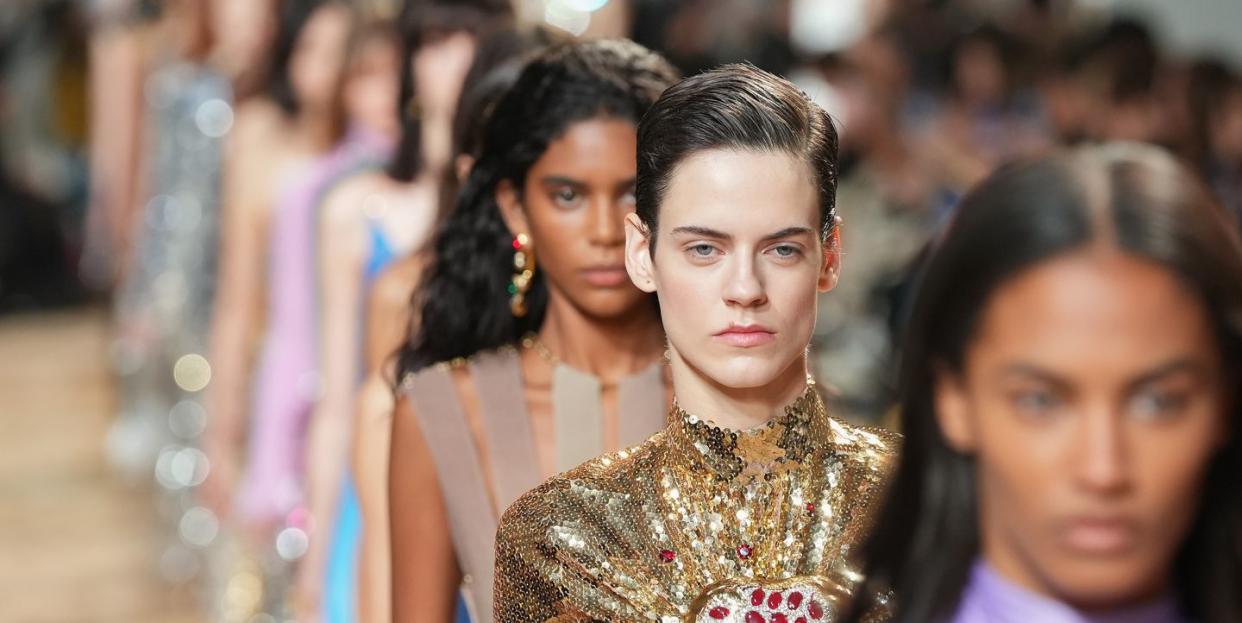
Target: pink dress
{"points": [[287, 383]]}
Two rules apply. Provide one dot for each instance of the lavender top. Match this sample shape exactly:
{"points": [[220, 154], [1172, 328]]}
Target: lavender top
{"points": [[989, 598]]}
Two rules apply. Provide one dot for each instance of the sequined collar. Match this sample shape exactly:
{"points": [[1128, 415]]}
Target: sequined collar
{"points": [[785, 442]]}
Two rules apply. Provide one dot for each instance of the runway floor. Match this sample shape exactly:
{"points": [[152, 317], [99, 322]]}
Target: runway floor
{"points": [[77, 543]]}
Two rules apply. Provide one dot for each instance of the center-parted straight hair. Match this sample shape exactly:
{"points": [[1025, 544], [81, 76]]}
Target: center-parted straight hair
{"points": [[1147, 205]]}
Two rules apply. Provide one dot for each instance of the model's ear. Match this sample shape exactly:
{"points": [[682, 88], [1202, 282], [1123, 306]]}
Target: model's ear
{"points": [[461, 167], [510, 204], [830, 268], [638, 254], [953, 412]]}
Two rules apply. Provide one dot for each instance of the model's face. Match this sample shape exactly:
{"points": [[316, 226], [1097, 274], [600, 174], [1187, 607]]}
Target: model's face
{"points": [[316, 63], [1093, 399], [372, 85], [440, 67], [573, 206], [242, 29], [738, 263]]}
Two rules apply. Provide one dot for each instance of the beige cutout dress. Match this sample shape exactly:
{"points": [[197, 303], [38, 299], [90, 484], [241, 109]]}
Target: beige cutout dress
{"points": [[477, 488]]}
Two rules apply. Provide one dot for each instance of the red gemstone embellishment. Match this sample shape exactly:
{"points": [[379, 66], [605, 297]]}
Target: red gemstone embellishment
{"points": [[743, 552], [800, 620], [719, 613], [667, 555], [815, 610], [795, 600], [774, 601], [810, 507], [779, 618], [754, 617], [756, 598]]}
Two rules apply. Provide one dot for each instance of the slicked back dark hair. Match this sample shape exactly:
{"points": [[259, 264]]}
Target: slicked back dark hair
{"points": [[734, 107]]}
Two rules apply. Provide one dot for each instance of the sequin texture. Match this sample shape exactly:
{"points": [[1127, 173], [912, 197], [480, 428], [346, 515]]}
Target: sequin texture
{"points": [[586, 545]]}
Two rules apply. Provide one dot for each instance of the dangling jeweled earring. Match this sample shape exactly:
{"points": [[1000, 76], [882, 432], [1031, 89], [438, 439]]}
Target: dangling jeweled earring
{"points": [[523, 274]]}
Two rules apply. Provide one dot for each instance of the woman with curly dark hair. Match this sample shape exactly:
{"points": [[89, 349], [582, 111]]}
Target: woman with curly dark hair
{"points": [[523, 368]]}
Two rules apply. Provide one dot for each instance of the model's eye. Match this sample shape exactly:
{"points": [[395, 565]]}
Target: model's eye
{"points": [[566, 197], [786, 251], [702, 250], [1155, 404], [1036, 403]]}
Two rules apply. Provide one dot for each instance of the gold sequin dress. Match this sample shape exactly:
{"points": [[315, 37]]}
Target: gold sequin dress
{"points": [[701, 524]]}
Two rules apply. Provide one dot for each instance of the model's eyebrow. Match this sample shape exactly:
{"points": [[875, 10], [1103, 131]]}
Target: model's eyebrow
{"points": [[702, 232], [1183, 365], [706, 232], [788, 232], [1035, 372], [558, 180]]}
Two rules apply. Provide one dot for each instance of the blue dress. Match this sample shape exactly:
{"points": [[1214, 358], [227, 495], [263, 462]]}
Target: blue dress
{"points": [[341, 585], [340, 595]]}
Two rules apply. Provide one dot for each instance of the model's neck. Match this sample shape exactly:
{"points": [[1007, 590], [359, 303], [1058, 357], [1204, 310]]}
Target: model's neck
{"points": [[610, 349], [315, 130], [731, 407]]}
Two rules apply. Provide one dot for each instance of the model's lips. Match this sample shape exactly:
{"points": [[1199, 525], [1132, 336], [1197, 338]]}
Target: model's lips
{"points": [[746, 336], [1102, 535], [606, 276]]}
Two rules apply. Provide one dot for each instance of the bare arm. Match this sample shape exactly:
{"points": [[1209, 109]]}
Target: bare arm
{"points": [[372, 436], [425, 574], [341, 254], [389, 311], [116, 110], [235, 318]]}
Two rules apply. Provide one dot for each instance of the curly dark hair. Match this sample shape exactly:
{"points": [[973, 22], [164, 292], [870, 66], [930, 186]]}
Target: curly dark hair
{"points": [[463, 299]]}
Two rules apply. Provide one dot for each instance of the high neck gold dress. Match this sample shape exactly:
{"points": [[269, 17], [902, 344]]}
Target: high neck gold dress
{"points": [[701, 524]]}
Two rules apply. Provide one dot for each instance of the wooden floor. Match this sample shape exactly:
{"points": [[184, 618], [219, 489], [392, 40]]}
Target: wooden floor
{"points": [[77, 544]]}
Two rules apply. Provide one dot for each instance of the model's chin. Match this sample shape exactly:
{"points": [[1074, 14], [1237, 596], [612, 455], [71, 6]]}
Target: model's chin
{"points": [[1105, 585], [743, 370]]}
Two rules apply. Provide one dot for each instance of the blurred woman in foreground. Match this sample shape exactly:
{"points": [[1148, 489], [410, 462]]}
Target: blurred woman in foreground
{"points": [[1070, 403]]}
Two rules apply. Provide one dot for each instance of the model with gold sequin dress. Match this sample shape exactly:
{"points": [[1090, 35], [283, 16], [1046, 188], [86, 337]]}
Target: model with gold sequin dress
{"points": [[699, 523], [749, 505]]}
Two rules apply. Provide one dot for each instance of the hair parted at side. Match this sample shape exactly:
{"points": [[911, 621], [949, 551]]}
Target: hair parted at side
{"points": [[735, 106], [463, 302]]}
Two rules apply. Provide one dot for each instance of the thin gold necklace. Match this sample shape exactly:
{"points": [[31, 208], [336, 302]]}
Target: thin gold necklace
{"points": [[531, 341]]}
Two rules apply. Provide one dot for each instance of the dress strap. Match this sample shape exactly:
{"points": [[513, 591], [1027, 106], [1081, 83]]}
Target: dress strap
{"points": [[578, 417], [462, 482], [641, 405], [506, 424]]}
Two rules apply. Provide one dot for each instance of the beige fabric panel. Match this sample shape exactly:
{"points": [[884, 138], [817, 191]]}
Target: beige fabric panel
{"points": [[641, 405], [515, 460], [462, 483], [578, 417]]}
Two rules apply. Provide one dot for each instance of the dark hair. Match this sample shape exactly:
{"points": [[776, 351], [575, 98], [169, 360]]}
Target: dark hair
{"points": [[498, 61], [463, 299], [421, 22], [733, 107], [294, 15], [1136, 198]]}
